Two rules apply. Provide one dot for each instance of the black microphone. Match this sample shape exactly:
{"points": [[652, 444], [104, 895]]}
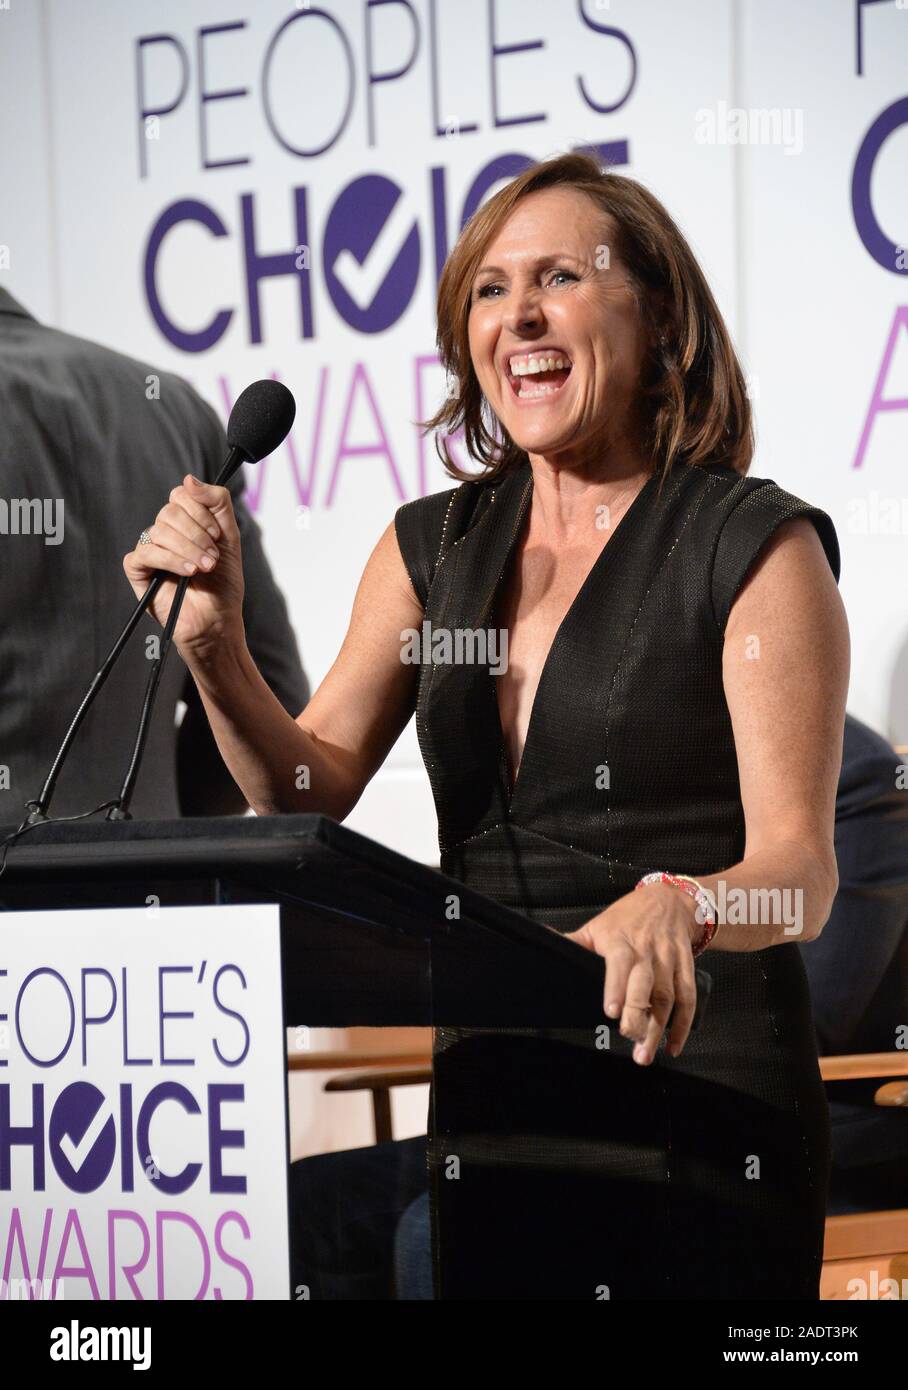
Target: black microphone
{"points": [[260, 420]]}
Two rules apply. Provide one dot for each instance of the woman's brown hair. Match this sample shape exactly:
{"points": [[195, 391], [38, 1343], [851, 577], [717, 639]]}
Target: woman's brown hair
{"points": [[694, 397]]}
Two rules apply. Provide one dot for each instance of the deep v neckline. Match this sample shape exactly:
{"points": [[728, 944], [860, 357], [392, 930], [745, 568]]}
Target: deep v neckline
{"points": [[512, 786]]}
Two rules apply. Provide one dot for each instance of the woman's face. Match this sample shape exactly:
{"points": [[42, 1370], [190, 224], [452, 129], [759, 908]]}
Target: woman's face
{"points": [[548, 293]]}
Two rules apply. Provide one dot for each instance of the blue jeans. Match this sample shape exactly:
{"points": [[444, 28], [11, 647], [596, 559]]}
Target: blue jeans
{"points": [[413, 1252], [345, 1211]]}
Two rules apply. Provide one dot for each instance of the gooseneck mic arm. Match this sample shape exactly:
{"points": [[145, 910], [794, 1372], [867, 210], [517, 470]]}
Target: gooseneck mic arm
{"points": [[120, 810], [259, 421]]}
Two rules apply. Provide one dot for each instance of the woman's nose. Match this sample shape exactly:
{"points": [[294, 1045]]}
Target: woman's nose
{"points": [[523, 311]]}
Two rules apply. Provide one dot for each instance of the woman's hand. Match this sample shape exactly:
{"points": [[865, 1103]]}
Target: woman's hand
{"points": [[195, 534], [645, 939]]}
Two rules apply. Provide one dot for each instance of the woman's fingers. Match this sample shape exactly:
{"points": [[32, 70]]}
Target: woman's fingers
{"points": [[685, 1004], [674, 997], [184, 536], [181, 499], [218, 502], [661, 1001], [185, 556], [143, 563], [646, 985], [175, 516], [637, 1003], [619, 957]]}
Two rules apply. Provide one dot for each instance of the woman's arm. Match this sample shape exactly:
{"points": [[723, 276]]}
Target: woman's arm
{"points": [[785, 673], [785, 670], [352, 721]]}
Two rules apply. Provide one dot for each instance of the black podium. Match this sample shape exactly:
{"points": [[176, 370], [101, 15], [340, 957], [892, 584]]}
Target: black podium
{"points": [[368, 937]]}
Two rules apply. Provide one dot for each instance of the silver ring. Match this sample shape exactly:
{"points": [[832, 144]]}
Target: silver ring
{"points": [[144, 539]]}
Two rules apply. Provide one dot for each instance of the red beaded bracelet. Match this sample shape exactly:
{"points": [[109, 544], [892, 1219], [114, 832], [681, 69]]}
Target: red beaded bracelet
{"points": [[696, 891]]}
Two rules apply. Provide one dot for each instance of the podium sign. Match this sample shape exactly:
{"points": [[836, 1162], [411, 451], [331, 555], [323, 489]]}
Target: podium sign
{"points": [[143, 1104]]}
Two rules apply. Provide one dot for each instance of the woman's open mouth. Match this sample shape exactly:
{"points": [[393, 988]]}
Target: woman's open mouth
{"points": [[538, 375]]}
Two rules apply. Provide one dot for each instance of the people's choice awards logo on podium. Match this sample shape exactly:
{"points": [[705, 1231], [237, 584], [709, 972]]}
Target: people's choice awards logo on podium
{"points": [[143, 1141]]}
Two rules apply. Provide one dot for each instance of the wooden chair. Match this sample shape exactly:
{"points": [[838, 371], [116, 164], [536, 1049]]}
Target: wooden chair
{"points": [[369, 1068], [871, 1245], [379, 1080]]}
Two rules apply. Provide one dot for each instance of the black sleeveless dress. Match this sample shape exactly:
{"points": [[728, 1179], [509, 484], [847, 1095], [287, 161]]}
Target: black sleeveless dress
{"points": [[703, 1176]]}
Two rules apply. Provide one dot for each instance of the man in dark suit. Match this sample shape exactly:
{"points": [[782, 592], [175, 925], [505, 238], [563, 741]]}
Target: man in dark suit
{"points": [[858, 970], [91, 444]]}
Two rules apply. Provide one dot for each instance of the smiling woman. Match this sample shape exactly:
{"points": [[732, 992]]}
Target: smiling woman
{"points": [[669, 719], [673, 705], [605, 258]]}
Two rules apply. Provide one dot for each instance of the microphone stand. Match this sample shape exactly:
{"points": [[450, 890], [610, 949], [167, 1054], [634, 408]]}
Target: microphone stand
{"points": [[38, 807], [120, 809]]}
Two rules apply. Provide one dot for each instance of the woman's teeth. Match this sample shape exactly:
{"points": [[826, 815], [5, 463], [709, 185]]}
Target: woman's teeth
{"points": [[539, 388], [530, 366], [535, 365]]}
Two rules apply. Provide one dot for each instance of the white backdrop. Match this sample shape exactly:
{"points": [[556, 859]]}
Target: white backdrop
{"points": [[275, 119]]}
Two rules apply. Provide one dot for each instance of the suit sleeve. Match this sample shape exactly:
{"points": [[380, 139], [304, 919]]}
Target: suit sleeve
{"points": [[857, 965]]}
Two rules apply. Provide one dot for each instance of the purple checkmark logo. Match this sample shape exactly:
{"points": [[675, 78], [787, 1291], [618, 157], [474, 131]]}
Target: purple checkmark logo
{"points": [[82, 1137], [371, 254]]}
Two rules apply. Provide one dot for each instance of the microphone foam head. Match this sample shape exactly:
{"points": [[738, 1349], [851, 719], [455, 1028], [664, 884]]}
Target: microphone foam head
{"points": [[260, 419]]}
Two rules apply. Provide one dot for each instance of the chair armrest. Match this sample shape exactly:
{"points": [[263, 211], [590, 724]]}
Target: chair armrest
{"points": [[380, 1079], [893, 1095], [866, 1234], [864, 1066], [345, 1061]]}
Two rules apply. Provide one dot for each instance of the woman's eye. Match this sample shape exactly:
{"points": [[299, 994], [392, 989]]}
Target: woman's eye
{"points": [[568, 274], [486, 291]]}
